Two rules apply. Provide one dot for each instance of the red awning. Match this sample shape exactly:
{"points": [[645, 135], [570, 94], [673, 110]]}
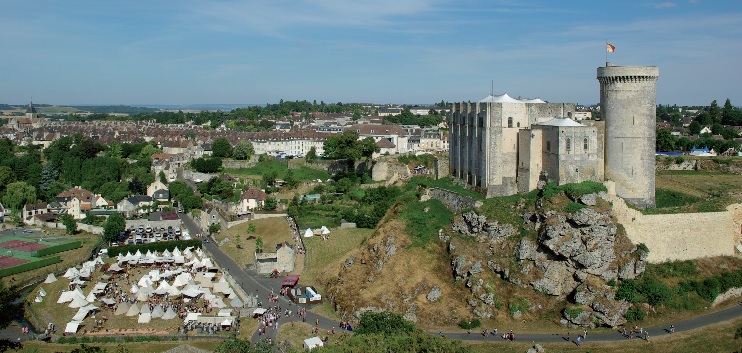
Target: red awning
{"points": [[290, 281]]}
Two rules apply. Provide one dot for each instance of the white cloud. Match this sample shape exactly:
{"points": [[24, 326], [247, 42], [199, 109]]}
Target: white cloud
{"points": [[665, 5]]}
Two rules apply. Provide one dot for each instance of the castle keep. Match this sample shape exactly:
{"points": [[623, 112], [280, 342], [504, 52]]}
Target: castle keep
{"points": [[503, 146]]}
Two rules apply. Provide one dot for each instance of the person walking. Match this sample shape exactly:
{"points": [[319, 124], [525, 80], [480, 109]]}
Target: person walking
{"points": [[672, 328], [579, 338]]}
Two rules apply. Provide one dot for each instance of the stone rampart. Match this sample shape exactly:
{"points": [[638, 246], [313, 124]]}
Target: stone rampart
{"points": [[455, 202], [682, 236]]}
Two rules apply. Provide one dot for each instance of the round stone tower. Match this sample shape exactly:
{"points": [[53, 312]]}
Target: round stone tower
{"points": [[628, 98]]}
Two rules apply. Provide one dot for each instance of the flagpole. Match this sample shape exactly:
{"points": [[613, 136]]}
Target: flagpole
{"points": [[606, 52]]}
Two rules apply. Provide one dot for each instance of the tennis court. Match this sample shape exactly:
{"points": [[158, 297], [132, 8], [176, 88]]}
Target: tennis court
{"points": [[21, 245], [6, 261]]}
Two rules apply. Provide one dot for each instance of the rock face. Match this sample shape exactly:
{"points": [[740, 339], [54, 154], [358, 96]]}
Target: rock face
{"points": [[572, 257]]}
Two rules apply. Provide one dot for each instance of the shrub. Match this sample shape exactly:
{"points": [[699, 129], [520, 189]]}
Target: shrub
{"points": [[28, 266], [58, 248], [573, 207], [635, 314], [679, 160], [384, 323], [518, 304], [469, 324], [573, 312]]}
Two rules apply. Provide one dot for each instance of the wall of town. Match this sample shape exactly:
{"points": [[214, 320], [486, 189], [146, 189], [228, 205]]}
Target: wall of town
{"points": [[80, 227], [681, 236]]}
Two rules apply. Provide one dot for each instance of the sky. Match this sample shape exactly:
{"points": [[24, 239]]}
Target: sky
{"points": [[372, 51]]}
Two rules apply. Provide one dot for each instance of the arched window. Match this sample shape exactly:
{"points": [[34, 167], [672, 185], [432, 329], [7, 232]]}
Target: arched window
{"points": [[569, 145], [510, 121], [584, 144], [519, 124]]}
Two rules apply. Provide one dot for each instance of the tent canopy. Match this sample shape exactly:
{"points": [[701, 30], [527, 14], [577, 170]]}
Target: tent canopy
{"points": [[290, 281]]}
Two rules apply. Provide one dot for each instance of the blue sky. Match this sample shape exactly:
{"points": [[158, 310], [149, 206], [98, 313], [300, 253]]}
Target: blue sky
{"points": [[380, 51]]}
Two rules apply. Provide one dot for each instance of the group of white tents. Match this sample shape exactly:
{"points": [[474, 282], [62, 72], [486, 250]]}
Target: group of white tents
{"points": [[173, 283], [310, 233]]}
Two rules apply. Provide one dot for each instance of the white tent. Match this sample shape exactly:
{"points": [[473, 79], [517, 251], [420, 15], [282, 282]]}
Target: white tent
{"points": [[166, 253], [145, 309], [133, 310], [313, 342], [324, 230], [50, 278], [191, 292], [157, 312], [78, 303], [259, 311], [176, 252], [83, 312], [308, 233], [72, 327], [191, 317], [144, 318], [42, 292], [218, 303], [236, 302], [91, 296], [115, 268], [134, 289], [108, 301], [221, 287], [71, 273], [144, 294], [145, 281], [122, 308], [169, 314], [38, 299], [224, 312], [163, 289], [227, 322]]}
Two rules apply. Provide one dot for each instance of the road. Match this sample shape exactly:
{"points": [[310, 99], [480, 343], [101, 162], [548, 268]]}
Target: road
{"points": [[263, 287]]}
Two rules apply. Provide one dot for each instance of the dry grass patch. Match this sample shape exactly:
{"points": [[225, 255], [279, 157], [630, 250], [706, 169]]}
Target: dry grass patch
{"points": [[272, 230], [325, 258], [296, 332]]}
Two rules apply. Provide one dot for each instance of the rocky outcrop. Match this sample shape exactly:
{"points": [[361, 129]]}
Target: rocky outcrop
{"points": [[473, 225], [572, 257]]}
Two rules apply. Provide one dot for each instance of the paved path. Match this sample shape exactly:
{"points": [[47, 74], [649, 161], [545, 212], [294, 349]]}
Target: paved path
{"points": [[253, 284]]}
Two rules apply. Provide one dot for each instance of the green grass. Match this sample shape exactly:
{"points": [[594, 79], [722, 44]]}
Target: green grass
{"points": [[504, 210], [423, 226], [665, 198]]}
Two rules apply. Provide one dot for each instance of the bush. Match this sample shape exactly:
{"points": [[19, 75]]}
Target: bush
{"points": [[635, 314], [469, 324], [679, 160], [384, 323], [573, 207], [28, 266], [58, 248], [573, 312]]}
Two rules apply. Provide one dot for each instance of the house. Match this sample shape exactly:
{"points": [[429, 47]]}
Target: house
{"points": [[211, 214], [162, 195], [155, 186], [134, 204], [251, 199], [705, 130], [283, 260], [77, 201], [31, 211]]}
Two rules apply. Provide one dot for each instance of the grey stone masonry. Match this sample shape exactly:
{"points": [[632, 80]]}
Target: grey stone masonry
{"points": [[628, 103]]}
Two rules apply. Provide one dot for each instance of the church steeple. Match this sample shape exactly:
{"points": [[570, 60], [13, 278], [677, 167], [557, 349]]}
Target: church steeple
{"points": [[31, 112]]}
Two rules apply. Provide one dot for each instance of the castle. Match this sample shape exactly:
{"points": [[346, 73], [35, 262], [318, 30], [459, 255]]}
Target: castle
{"points": [[503, 146]]}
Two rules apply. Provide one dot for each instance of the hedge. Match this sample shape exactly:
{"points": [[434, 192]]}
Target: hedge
{"points": [[58, 248], [28, 266], [159, 246]]}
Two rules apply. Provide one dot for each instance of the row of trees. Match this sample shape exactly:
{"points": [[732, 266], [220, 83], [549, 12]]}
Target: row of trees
{"points": [[666, 142]]}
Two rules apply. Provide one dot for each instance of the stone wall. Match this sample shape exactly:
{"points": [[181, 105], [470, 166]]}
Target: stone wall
{"points": [[682, 236], [455, 202], [82, 227]]}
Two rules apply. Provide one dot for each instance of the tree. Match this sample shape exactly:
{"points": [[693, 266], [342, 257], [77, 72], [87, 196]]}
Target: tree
{"points": [[114, 150], [717, 128], [88, 349], [115, 224], [49, 175], [163, 178], [190, 135], [369, 147], [694, 128], [343, 146], [383, 323], [148, 150], [221, 148], [259, 244], [207, 165], [291, 180], [312, 154], [270, 204], [215, 228], [243, 150], [11, 309], [250, 228], [236, 345], [715, 111], [70, 224], [18, 194], [665, 141], [7, 176]]}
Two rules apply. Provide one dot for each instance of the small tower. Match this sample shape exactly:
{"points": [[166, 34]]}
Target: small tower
{"points": [[31, 112], [628, 98]]}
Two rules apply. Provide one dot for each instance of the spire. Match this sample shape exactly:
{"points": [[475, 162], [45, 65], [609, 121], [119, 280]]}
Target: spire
{"points": [[31, 108]]}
